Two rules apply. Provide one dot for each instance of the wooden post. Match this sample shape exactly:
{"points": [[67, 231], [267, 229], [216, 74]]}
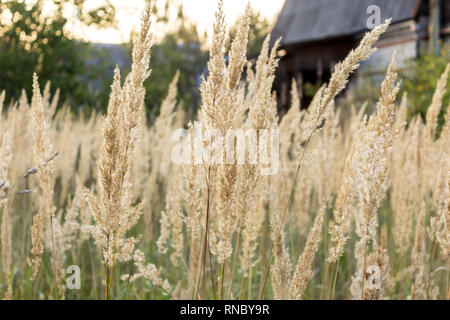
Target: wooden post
{"points": [[319, 71], [299, 78], [284, 96], [434, 27]]}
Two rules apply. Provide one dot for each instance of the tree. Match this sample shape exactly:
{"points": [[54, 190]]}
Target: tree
{"points": [[420, 82], [31, 41]]}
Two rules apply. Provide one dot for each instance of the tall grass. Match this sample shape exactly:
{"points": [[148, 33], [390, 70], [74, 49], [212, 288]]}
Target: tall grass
{"points": [[359, 208]]}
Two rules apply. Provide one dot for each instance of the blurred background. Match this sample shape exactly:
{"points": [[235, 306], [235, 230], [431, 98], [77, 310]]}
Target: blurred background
{"points": [[77, 43]]}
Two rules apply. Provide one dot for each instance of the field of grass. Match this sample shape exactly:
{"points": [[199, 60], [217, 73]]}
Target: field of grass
{"points": [[358, 206]]}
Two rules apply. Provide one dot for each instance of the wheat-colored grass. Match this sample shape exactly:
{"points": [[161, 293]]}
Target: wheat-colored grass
{"points": [[353, 195]]}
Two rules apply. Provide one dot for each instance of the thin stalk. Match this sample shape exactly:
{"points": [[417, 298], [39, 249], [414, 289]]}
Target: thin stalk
{"points": [[129, 277], [32, 289], [206, 233], [106, 283], [241, 287], [197, 280], [262, 252], [433, 248], [448, 279], [106, 273], [249, 287], [234, 262], [53, 253], [212, 273], [112, 267], [327, 264], [222, 275], [326, 278], [283, 218], [330, 281], [364, 264], [335, 279]]}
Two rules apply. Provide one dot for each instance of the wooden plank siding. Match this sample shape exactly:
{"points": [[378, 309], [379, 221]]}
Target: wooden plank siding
{"points": [[316, 34]]}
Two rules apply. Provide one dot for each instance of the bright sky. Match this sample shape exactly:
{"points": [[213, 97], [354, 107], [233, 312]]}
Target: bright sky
{"points": [[200, 11]]}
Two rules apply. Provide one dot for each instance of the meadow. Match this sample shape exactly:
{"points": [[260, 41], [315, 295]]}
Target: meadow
{"points": [[359, 207]]}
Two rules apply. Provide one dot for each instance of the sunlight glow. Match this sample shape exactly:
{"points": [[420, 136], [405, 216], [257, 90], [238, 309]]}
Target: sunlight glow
{"points": [[199, 11]]}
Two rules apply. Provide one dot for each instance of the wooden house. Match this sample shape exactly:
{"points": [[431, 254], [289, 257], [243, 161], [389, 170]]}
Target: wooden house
{"points": [[318, 33]]}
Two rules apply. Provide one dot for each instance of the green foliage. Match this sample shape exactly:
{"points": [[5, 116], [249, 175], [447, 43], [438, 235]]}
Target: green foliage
{"points": [[310, 89], [420, 81], [35, 42]]}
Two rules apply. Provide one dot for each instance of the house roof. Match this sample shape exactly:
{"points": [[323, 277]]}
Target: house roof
{"points": [[302, 21]]}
